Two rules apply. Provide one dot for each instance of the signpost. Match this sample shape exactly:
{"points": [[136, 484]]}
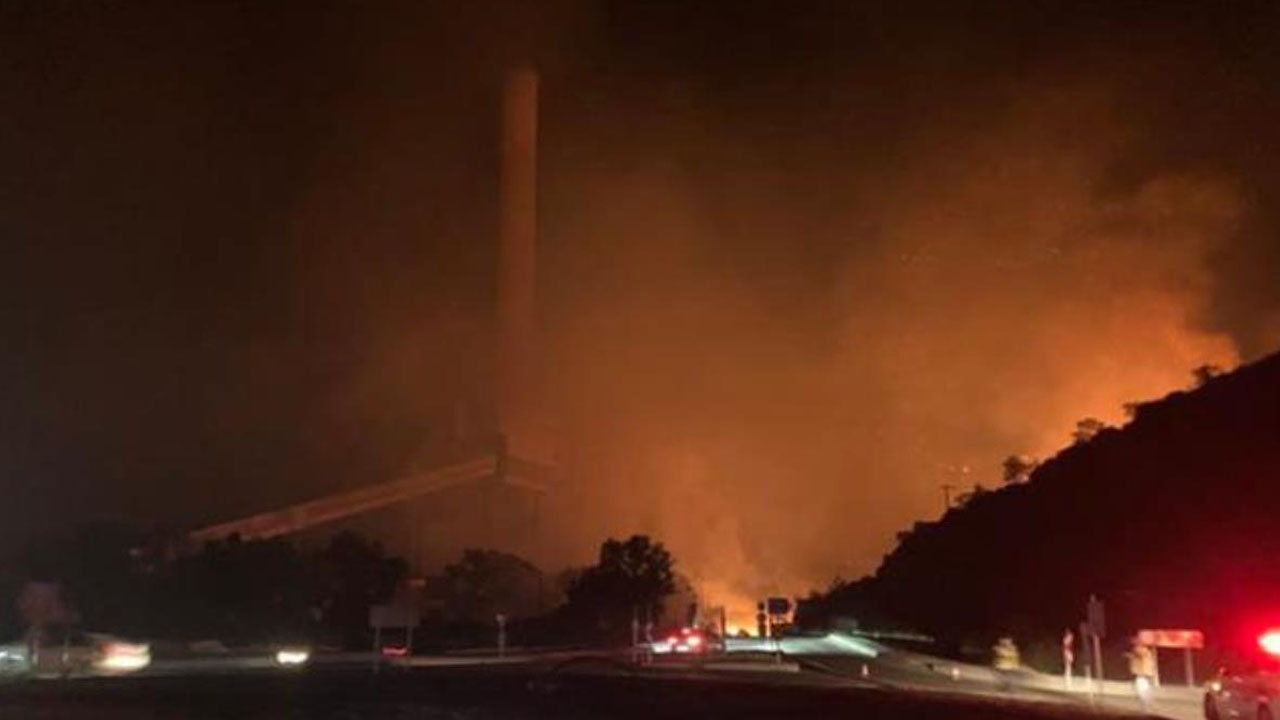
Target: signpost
{"points": [[1187, 640], [392, 615], [777, 609], [635, 634], [502, 634], [1087, 664], [1096, 613]]}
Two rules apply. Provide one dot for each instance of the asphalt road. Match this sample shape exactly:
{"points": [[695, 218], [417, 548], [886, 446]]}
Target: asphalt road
{"points": [[812, 677], [593, 689], [872, 662]]}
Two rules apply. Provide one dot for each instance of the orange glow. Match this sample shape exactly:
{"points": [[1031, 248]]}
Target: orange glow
{"points": [[781, 416]]}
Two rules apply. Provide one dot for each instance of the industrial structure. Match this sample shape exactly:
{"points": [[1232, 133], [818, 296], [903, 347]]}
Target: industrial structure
{"points": [[517, 365]]}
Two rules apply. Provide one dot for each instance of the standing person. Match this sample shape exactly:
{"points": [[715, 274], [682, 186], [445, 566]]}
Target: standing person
{"points": [[1142, 665], [1006, 661], [1068, 655]]}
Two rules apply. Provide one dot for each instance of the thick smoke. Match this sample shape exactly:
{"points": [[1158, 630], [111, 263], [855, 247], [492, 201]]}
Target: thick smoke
{"points": [[783, 308], [773, 360], [797, 269]]}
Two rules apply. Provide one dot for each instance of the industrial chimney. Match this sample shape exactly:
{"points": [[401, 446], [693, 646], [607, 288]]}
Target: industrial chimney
{"points": [[517, 360]]}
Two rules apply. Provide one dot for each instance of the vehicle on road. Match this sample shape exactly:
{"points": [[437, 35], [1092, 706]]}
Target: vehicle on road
{"points": [[1251, 692], [14, 659], [293, 656], [89, 653], [686, 641]]}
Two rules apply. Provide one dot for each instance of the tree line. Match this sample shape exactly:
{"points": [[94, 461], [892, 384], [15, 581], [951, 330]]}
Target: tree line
{"points": [[1169, 519], [272, 591]]}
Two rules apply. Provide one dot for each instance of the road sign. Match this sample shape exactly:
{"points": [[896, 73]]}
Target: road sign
{"points": [[1097, 615], [1193, 639], [779, 606], [393, 616]]}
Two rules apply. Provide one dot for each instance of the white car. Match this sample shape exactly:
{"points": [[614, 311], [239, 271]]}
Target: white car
{"points": [[89, 653], [14, 659]]}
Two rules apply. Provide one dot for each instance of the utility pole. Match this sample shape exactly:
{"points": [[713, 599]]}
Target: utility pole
{"points": [[953, 473], [946, 496]]}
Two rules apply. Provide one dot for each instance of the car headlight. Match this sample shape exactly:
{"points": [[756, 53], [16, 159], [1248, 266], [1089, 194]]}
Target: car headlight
{"points": [[292, 657], [125, 657]]}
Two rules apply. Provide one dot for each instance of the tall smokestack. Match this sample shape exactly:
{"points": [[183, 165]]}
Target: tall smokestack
{"points": [[516, 322]]}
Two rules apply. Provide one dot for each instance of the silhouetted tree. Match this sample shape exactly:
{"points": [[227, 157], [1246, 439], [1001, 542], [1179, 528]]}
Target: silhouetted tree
{"points": [[99, 580], [1018, 468], [1204, 373], [43, 605], [632, 573], [1131, 409], [235, 591], [351, 574], [483, 583], [1169, 521], [231, 590], [969, 496], [1086, 429]]}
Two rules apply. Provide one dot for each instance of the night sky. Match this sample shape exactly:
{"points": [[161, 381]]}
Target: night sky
{"points": [[801, 255]]}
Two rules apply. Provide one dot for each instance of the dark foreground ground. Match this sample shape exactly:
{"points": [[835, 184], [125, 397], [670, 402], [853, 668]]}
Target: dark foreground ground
{"points": [[520, 693]]}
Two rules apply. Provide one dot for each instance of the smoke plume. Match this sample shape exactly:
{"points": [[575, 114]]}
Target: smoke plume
{"points": [[773, 354]]}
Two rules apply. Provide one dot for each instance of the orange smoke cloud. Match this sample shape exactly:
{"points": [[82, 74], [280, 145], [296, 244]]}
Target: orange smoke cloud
{"points": [[774, 389]]}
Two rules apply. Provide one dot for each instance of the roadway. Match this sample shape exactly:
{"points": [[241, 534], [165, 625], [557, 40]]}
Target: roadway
{"points": [[871, 662], [856, 666], [506, 691]]}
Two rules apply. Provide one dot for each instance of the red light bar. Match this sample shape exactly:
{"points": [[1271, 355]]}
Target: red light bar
{"points": [[1269, 641]]}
